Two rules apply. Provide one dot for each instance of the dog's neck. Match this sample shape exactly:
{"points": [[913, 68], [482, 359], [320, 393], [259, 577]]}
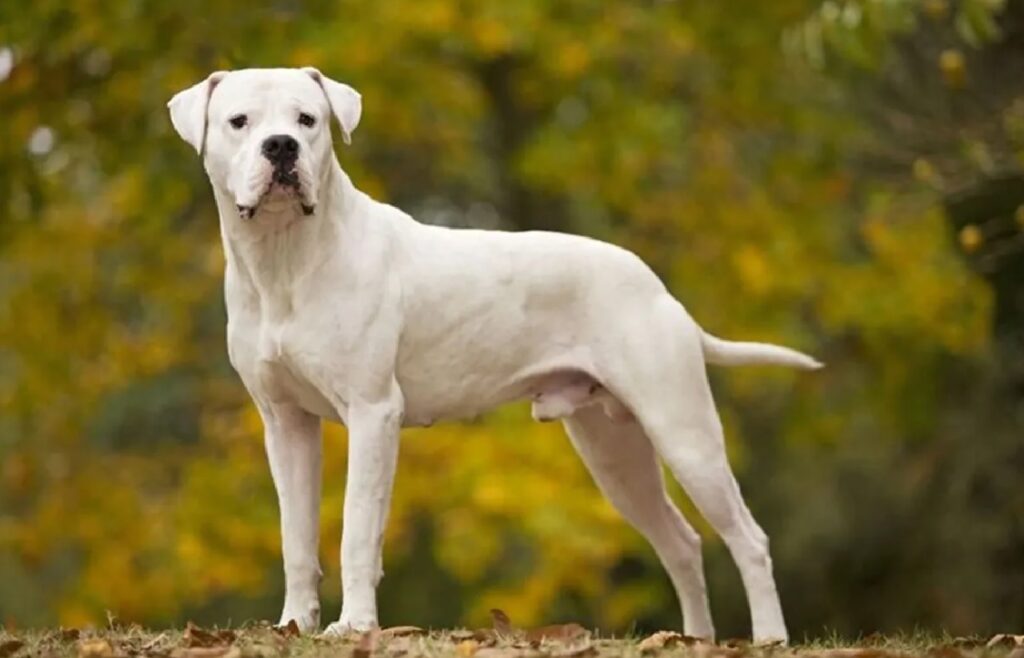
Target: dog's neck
{"points": [[269, 254]]}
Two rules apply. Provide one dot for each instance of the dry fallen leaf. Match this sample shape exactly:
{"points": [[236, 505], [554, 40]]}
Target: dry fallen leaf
{"points": [[502, 624], [467, 648], [207, 652], [196, 637], [291, 629], [367, 644], [947, 651], [10, 647], [579, 651], [402, 631], [861, 653], [69, 634], [95, 648], [1005, 640], [152, 644], [666, 639], [487, 637], [557, 632], [502, 652]]}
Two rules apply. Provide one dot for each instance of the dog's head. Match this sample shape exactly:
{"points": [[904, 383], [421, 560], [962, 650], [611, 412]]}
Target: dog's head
{"points": [[265, 133]]}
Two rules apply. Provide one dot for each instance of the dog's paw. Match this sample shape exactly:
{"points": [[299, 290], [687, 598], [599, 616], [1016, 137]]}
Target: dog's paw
{"points": [[306, 617], [344, 627]]}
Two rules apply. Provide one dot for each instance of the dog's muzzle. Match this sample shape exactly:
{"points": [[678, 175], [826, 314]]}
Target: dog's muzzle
{"points": [[282, 151]]}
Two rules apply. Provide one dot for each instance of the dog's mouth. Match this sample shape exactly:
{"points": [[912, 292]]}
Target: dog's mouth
{"points": [[283, 185]]}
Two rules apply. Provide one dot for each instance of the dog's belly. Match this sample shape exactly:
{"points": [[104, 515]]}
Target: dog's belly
{"points": [[456, 386]]}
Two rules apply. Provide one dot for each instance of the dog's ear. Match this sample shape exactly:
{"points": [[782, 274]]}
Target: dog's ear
{"points": [[188, 110], [345, 102]]}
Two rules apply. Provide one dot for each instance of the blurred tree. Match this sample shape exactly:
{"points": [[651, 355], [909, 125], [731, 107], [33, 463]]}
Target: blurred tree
{"points": [[933, 84], [131, 470]]}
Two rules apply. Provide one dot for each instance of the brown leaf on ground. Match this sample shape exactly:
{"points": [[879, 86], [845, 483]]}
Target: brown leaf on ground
{"points": [[586, 648], [557, 633], [69, 634], [207, 652], [402, 631], [196, 637], [946, 651], [367, 644], [487, 637], [10, 647], [665, 640], [467, 648], [861, 653], [502, 624], [507, 652], [399, 646], [148, 647], [291, 629], [1005, 640], [95, 648]]}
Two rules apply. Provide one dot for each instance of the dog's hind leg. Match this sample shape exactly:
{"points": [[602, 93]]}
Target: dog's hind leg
{"points": [[625, 468], [671, 397]]}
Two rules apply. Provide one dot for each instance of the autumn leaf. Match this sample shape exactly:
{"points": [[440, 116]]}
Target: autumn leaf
{"points": [[95, 648], [195, 636], [401, 631], [291, 629], [10, 647], [502, 623], [69, 634], [586, 648], [1005, 640], [207, 652], [557, 632], [367, 644], [666, 640]]}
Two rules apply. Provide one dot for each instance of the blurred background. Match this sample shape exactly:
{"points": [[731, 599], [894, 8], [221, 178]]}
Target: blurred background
{"points": [[842, 177]]}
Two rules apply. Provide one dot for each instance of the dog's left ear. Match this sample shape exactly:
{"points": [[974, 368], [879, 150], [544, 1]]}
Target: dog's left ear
{"points": [[345, 102], [188, 110]]}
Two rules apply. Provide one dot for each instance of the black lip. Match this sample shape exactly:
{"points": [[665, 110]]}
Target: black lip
{"points": [[287, 177]]}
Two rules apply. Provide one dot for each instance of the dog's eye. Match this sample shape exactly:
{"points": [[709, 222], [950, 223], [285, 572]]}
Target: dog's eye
{"points": [[238, 121], [306, 119]]}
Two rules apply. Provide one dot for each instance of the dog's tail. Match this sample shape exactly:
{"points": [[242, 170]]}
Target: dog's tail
{"points": [[735, 353]]}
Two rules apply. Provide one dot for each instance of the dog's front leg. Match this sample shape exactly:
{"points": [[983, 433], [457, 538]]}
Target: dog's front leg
{"points": [[293, 442], [373, 429]]}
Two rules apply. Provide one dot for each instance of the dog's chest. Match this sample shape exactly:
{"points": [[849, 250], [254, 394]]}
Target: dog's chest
{"points": [[283, 363]]}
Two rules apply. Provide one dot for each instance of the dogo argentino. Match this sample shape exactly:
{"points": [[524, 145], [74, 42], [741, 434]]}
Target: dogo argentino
{"points": [[345, 308]]}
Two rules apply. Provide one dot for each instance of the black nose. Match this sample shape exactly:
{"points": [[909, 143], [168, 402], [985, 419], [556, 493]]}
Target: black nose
{"points": [[280, 149]]}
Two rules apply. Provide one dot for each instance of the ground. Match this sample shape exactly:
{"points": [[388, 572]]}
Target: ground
{"points": [[502, 641]]}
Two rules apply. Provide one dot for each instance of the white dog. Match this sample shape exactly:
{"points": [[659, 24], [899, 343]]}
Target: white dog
{"points": [[345, 308]]}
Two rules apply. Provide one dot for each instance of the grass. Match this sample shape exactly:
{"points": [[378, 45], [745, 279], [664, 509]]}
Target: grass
{"points": [[568, 641]]}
